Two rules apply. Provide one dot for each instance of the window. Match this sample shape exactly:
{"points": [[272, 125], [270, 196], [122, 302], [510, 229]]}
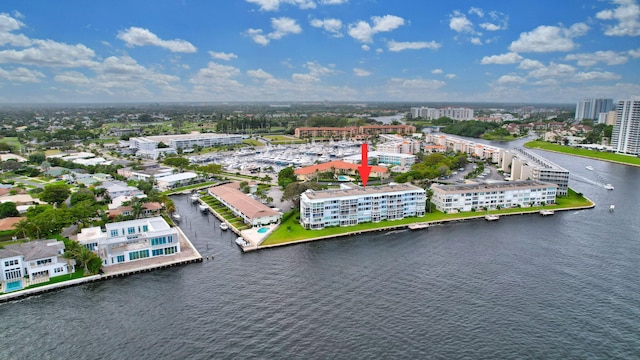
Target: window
{"points": [[114, 233], [145, 228], [170, 238], [156, 252], [120, 258], [131, 230], [43, 262]]}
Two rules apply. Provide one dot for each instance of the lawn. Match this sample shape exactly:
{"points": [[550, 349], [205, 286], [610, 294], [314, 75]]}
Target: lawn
{"points": [[12, 141], [252, 142], [290, 229], [594, 154]]}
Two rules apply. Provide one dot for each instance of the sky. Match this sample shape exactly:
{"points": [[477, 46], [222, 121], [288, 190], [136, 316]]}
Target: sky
{"points": [[78, 51]]}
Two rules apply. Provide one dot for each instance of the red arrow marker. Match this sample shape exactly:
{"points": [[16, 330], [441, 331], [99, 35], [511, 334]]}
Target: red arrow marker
{"points": [[364, 169]]}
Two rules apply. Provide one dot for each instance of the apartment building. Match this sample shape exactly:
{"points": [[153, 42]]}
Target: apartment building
{"points": [[527, 165], [469, 197], [626, 131], [351, 205]]}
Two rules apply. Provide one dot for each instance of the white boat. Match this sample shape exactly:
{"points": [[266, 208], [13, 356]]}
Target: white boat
{"points": [[589, 167], [203, 207], [418, 226], [546, 212], [176, 217], [612, 207], [194, 198], [608, 187], [492, 217], [224, 226], [241, 242]]}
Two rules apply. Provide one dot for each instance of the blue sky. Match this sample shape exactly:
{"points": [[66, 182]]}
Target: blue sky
{"points": [[313, 50]]}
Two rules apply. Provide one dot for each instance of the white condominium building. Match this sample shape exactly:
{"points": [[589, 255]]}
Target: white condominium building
{"points": [[527, 165], [450, 112], [148, 146], [626, 131], [131, 240], [351, 205], [460, 198], [590, 108]]}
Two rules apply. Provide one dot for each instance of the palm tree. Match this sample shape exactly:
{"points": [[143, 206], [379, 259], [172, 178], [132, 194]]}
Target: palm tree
{"points": [[84, 255], [68, 256]]}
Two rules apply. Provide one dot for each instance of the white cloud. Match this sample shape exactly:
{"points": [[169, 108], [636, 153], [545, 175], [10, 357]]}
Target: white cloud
{"points": [[477, 11], [259, 74], [437, 71], [363, 31], [50, 53], [223, 55], [508, 58], [332, 26], [72, 77], [528, 64], [418, 83], [274, 5], [396, 46], [450, 76], [361, 72], [511, 79], [365, 47], [8, 24], [458, 22], [21, 74], [627, 15], [379, 51], [476, 41], [490, 27], [605, 57], [634, 53], [595, 76], [549, 38], [282, 26], [135, 36], [553, 71]]}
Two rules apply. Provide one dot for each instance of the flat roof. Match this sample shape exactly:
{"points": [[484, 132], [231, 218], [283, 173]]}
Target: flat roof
{"points": [[167, 138], [177, 177], [503, 185], [356, 190]]}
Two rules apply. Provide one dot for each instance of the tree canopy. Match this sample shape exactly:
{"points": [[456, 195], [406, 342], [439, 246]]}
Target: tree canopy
{"points": [[55, 193], [286, 176], [8, 209]]}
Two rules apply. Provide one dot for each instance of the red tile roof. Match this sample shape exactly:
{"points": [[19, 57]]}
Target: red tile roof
{"points": [[338, 165]]}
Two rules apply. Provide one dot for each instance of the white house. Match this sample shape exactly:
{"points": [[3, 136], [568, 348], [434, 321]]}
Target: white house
{"points": [[131, 240], [32, 262], [175, 180]]}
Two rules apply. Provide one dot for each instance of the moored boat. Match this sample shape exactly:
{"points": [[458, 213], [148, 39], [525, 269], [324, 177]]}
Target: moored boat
{"points": [[492, 217], [612, 207], [224, 226], [203, 207], [418, 226], [546, 212]]}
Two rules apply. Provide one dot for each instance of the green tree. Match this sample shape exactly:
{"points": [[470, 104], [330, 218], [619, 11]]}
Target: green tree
{"points": [[178, 162], [8, 209], [82, 195], [55, 193], [286, 176], [293, 190], [37, 158]]}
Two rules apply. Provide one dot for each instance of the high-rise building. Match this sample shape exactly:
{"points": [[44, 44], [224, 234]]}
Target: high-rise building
{"points": [[590, 108], [626, 131]]}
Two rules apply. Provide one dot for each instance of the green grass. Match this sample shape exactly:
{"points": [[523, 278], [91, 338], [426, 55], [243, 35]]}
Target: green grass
{"points": [[290, 229], [499, 137], [58, 279], [194, 186], [594, 154], [252, 142], [12, 141]]}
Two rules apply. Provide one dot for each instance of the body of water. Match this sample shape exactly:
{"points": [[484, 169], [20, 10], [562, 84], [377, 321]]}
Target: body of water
{"points": [[559, 287]]}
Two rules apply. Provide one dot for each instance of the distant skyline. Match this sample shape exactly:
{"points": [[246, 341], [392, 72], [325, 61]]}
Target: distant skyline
{"points": [[314, 50]]}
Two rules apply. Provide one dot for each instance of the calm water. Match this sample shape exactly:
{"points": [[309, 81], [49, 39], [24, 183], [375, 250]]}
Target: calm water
{"points": [[561, 287]]}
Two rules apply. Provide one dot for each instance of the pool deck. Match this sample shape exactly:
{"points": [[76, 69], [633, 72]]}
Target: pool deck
{"points": [[188, 254]]}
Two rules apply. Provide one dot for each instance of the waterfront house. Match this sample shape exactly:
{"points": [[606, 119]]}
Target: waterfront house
{"points": [[32, 262], [131, 240]]}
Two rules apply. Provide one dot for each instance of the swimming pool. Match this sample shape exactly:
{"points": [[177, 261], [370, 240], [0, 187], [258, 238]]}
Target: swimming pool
{"points": [[13, 286], [343, 178], [263, 230]]}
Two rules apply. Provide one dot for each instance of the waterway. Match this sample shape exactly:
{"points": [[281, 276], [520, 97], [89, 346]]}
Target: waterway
{"points": [[558, 287]]}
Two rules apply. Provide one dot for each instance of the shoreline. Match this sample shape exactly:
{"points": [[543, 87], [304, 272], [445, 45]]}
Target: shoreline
{"points": [[583, 156], [406, 226], [188, 256]]}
